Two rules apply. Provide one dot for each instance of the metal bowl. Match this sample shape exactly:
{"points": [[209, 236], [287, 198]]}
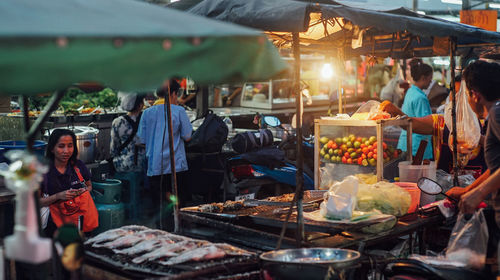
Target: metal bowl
{"points": [[307, 263]]}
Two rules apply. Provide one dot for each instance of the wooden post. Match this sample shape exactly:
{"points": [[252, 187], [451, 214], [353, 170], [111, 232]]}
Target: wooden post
{"points": [[172, 161], [453, 46], [299, 178], [339, 88]]}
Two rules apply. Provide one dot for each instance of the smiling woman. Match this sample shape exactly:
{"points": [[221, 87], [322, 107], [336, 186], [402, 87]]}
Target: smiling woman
{"points": [[65, 188]]}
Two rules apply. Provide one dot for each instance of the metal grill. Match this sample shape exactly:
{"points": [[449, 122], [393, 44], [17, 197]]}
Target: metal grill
{"points": [[244, 267]]}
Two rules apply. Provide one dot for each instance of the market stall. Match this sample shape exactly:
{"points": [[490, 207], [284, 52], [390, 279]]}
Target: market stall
{"points": [[343, 31], [113, 43]]}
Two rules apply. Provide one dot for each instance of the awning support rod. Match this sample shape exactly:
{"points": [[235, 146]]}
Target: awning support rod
{"points": [[453, 45]]}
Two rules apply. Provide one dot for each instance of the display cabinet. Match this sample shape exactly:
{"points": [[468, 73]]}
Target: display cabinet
{"points": [[348, 147]]}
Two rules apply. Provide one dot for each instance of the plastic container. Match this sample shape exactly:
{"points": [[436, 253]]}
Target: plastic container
{"points": [[411, 173], [415, 193], [5, 146], [107, 192]]}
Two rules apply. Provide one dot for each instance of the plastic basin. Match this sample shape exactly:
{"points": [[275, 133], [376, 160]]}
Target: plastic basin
{"points": [[414, 191], [5, 146]]}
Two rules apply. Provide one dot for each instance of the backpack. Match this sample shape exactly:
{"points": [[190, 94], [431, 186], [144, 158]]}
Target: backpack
{"points": [[210, 136]]}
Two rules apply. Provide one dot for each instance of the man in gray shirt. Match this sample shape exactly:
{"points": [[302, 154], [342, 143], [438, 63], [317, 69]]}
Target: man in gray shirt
{"points": [[483, 83]]}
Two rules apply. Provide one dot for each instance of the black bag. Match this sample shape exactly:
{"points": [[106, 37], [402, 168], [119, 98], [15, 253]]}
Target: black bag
{"points": [[135, 127], [210, 136], [247, 141]]}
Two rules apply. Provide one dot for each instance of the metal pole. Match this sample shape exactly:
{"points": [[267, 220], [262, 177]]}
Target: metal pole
{"points": [[465, 5], [172, 162], [415, 5], [25, 105], [453, 45], [339, 86], [300, 155], [202, 101]]}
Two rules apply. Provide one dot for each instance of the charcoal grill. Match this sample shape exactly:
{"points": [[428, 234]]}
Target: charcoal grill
{"points": [[241, 267]]}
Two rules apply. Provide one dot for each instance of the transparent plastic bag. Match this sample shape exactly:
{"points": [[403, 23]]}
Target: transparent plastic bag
{"points": [[467, 245], [469, 240], [365, 111], [468, 129]]}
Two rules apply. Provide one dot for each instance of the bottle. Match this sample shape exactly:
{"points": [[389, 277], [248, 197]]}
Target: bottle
{"points": [[229, 124]]}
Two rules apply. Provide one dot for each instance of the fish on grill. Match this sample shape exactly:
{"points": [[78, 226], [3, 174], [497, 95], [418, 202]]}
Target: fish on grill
{"points": [[207, 252], [145, 246], [114, 234], [168, 250], [130, 239], [231, 250]]}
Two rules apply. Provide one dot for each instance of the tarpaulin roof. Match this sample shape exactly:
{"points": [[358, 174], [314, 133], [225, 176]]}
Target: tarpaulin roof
{"points": [[398, 32], [125, 44]]}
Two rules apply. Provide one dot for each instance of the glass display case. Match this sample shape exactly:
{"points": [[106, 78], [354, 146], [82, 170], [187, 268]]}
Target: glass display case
{"points": [[350, 147], [275, 94]]}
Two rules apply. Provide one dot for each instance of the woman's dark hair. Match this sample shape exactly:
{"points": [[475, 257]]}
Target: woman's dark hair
{"points": [[483, 77], [54, 138], [419, 69], [174, 88], [139, 99]]}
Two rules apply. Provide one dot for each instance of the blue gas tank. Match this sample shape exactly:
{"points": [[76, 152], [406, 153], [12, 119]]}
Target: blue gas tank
{"points": [[110, 216]]}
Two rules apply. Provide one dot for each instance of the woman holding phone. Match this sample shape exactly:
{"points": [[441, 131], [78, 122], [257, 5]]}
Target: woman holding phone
{"points": [[65, 188]]}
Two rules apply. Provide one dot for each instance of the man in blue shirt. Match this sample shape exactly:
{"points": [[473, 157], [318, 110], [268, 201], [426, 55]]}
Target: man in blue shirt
{"points": [[153, 132]]}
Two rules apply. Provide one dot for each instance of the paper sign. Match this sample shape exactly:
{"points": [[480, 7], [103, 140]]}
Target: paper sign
{"points": [[485, 19]]}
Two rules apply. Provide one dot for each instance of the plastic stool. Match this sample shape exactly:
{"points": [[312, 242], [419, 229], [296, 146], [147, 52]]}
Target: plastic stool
{"points": [[134, 180]]}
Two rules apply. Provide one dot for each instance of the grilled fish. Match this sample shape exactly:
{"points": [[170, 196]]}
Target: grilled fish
{"points": [[208, 252], [114, 234], [130, 239], [167, 250]]}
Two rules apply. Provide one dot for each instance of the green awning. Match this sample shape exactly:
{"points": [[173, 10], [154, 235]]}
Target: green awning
{"points": [[124, 44]]}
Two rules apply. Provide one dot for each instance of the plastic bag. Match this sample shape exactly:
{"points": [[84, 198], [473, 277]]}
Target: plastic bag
{"points": [[469, 240], [340, 200], [468, 129], [365, 111], [392, 91], [467, 245]]}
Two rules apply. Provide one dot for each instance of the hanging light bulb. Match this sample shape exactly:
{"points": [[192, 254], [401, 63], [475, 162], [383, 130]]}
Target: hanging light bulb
{"points": [[326, 71]]}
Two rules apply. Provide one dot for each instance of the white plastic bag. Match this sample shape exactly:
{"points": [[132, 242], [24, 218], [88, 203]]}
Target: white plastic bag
{"points": [[392, 91], [44, 214], [340, 200], [468, 129], [469, 240]]}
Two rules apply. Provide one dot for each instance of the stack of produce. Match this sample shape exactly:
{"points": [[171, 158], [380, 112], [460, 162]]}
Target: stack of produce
{"points": [[355, 150]]}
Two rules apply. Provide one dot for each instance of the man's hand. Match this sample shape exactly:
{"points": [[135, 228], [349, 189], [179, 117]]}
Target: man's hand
{"points": [[470, 201], [390, 108], [456, 192]]}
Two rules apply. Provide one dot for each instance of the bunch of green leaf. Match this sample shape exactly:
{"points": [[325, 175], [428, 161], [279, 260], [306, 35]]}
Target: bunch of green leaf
{"points": [[75, 98]]}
